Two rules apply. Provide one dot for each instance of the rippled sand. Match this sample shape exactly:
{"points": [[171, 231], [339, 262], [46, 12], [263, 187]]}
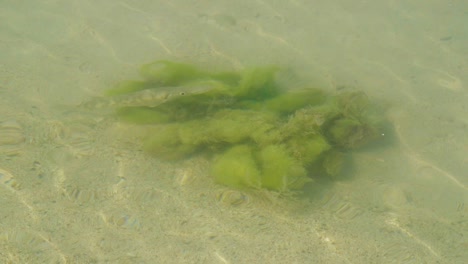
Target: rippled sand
{"points": [[76, 188]]}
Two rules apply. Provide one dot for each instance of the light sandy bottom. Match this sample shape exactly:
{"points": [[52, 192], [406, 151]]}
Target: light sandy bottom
{"points": [[75, 188]]}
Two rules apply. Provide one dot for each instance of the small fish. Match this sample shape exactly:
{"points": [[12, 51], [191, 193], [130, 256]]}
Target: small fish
{"points": [[148, 97]]}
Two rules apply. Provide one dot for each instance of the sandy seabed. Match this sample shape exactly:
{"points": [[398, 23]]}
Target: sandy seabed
{"points": [[75, 187]]}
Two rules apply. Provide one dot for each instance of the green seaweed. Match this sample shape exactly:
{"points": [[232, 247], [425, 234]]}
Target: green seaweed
{"points": [[280, 171], [168, 73], [308, 149], [289, 102], [235, 126], [237, 168], [271, 168], [261, 134], [165, 143], [257, 83], [359, 122]]}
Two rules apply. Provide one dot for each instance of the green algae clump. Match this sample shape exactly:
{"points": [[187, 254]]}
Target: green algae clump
{"points": [[237, 168], [280, 171], [271, 167], [257, 133]]}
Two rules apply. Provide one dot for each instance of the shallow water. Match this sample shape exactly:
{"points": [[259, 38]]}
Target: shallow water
{"points": [[75, 187]]}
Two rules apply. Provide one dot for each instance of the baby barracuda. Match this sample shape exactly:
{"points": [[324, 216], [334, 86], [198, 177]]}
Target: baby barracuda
{"points": [[148, 97]]}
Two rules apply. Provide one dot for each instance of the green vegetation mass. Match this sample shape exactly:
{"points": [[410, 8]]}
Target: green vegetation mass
{"points": [[257, 133]]}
